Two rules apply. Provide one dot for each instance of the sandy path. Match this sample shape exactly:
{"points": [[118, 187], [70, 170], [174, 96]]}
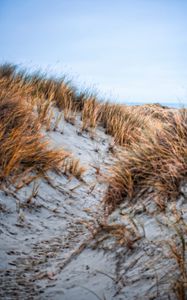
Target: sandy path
{"points": [[47, 250]]}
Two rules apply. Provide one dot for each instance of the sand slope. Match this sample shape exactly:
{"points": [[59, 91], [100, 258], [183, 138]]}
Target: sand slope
{"points": [[50, 247]]}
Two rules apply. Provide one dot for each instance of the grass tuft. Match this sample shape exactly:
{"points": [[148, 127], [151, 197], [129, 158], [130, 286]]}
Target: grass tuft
{"points": [[157, 160], [23, 148]]}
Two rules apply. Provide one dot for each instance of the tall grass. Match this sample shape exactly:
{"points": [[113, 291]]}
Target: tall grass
{"points": [[123, 125], [23, 148], [153, 138], [26, 105], [91, 113], [45, 92], [39, 90], [122, 122], [158, 160]]}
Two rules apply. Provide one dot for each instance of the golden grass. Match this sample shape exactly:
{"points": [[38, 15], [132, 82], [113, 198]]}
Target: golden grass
{"points": [[24, 149], [120, 121], [157, 160], [73, 167], [90, 113], [122, 124], [152, 156], [44, 93], [153, 138], [41, 91], [26, 104]]}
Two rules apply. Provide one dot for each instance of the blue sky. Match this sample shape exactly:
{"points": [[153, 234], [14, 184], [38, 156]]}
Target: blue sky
{"points": [[133, 50]]}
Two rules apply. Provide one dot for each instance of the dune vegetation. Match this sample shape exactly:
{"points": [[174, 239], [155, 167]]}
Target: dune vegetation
{"points": [[148, 147], [153, 139], [25, 106]]}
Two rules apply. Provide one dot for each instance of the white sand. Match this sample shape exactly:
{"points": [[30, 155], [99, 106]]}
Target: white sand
{"points": [[47, 250]]}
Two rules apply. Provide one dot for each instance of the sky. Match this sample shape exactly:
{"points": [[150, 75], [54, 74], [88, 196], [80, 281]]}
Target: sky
{"points": [[128, 50]]}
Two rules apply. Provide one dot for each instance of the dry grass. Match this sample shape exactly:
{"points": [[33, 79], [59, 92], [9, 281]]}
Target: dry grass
{"points": [[157, 160], [153, 138], [125, 124], [41, 91], [120, 121], [123, 235], [44, 93], [73, 167], [23, 148], [91, 113], [177, 250], [122, 124], [152, 156], [26, 104]]}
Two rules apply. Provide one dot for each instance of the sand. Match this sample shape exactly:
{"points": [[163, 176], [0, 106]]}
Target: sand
{"points": [[50, 249]]}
